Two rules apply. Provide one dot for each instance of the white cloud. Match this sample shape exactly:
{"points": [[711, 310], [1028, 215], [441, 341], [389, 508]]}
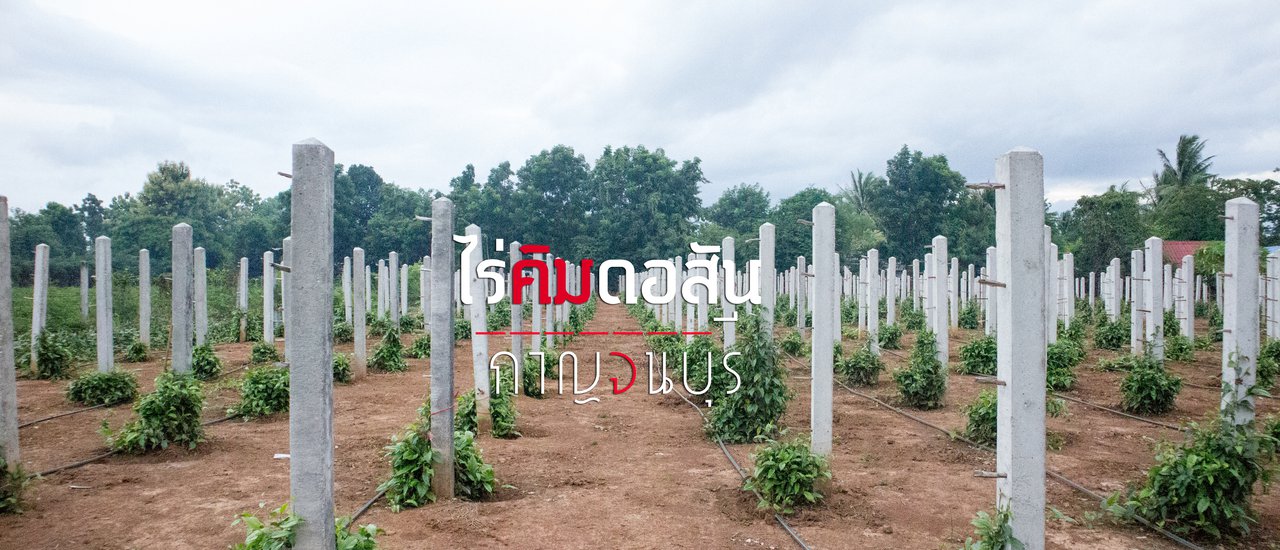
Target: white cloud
{"points": [[93, 95]]}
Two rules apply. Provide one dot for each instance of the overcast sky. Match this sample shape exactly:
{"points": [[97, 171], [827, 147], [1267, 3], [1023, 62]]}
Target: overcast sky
{"points": [[94, 94]]}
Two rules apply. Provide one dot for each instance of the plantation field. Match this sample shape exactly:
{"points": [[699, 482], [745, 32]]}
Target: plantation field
{"points": [[632, 471]]}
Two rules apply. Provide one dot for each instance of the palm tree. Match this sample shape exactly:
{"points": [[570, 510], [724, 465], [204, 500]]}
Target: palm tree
{"points": [[1189, 165], [855, 193]]}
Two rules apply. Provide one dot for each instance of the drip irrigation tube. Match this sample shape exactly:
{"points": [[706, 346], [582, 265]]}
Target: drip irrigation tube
{"points": [[96, 407], [1051, 473], [1121, 413], [367, 506], [84, 462], [221, 420], [743, 474], [89, 461], [1203, 387], [68, 413]]}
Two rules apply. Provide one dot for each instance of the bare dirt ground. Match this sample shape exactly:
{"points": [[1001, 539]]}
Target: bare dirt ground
{"points": [[632, 471]]}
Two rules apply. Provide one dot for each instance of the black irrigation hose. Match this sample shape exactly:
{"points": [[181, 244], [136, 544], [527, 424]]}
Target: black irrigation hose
{"points": [[221, 420], [1069, 483], [1203, 387], [1121, 413], [743, 474], [233, 371], [88, 461], [84, 462], [96, 407], [1051, 473], [68, 413], [367, 506]]}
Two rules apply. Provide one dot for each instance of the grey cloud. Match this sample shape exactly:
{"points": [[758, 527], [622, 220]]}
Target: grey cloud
{"points": [[783, 94]]}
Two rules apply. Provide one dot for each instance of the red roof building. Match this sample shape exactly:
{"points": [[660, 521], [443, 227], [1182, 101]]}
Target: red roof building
{"points": [[1175, 250]]}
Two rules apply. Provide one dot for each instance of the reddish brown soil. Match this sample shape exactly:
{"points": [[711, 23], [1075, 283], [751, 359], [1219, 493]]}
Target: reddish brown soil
{"points": [[632, 471]]}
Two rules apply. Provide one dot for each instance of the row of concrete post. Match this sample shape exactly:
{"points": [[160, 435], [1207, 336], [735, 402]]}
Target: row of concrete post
{"points": [[1022, 269]]}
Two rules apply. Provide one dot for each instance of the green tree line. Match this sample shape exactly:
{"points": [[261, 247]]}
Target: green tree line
{"points": [[1184, 201], [632, 203]]}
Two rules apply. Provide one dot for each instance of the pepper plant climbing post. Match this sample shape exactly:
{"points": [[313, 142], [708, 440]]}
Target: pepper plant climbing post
{"points": [[441, 423], [102, 284], [1240, 308], [8, 373], [359, 309], [1021, 341], [311, 359], [182, 299], [768, 282], [822, 354]]}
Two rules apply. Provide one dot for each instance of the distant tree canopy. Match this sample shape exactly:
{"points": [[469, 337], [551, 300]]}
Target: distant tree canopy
{"points": [[1184, 203], [635, 203], [1102, 227]]}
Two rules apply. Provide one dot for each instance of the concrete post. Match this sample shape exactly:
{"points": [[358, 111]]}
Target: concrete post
{"points": [[552, 320], [1137, 332], [1021, 345], [1188, 298], [84, 291], [1154, 295], [891, 292], [201, 296], [873, 300], [457, 286], [286, 293], [359, 305], [953, 291], [1051, 284], [424, 289], [403, 303], [368, 289], [346, 289], [822, 356], [1092, 289], [864, 294], [1240, 307], [535, 341], [915, 278], [1269, 308], [8, 370], [768, 290], [242, 297], [105, 326], [441, 424], [1217, 290], [938, 295], [268, 298], [801, 294], [1114, 269], [144, 297], [677, 305], [517, 312], [393, 288], [182, 298], [704, 300], [1068, 288], [927, 299], [311, 328], [809, 297], [727, 310], [990, 319], [836, 301], [382, 289], [39, 299], [479, 325]]}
